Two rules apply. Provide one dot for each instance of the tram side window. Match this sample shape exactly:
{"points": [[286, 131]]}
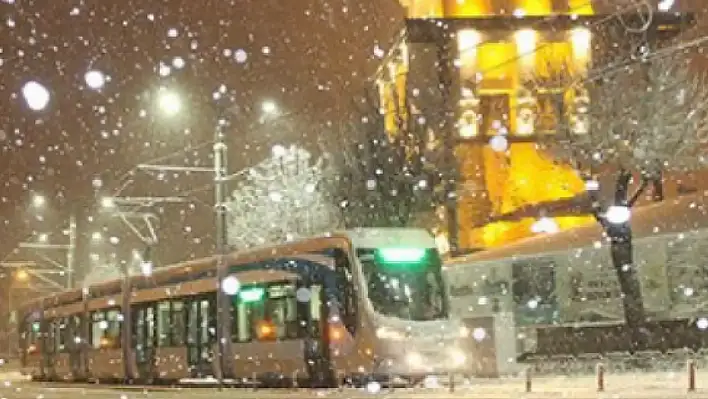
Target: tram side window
{"points": [[316, 310], [281, 312], [178, 325], [50, 336], [105, 329], [163, 324], [247, 313], [74, 331], [32, 332], [171, 323], [98, 326], [60, 335], [265, 314]]}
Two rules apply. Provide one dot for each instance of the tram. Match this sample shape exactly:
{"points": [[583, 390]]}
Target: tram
{"points": [[352, 307], [568, 277]]}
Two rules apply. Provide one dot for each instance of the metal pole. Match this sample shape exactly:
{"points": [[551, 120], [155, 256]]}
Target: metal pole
{"points": [[71, 253], [449, 87], [223, 330], [127, 330], [8, 326]]}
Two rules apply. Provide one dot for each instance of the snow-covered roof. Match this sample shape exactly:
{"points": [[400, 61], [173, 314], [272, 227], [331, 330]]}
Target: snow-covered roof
{"points": [[673, 215]]}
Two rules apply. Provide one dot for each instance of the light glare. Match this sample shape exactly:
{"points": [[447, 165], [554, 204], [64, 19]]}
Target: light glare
{"points": [[169, 103], [36, 95], [617, 214]]}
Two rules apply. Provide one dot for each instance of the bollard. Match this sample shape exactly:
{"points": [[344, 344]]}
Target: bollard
{"points": [[295, 384], [254, 382], [452, 382], [528, 379], [691, 368], [600, 377], [341, 380], [390, 383]]}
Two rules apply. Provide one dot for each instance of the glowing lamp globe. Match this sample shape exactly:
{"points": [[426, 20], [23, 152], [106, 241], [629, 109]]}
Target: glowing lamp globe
{"points": [[230, 285], [617, 214]]}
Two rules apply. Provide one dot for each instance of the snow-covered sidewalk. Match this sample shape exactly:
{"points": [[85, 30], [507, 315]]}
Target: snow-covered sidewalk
{"points": [[624, 385]]}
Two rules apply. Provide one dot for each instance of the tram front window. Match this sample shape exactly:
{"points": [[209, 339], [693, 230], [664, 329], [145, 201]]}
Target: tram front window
{"points": [[405, 283]]}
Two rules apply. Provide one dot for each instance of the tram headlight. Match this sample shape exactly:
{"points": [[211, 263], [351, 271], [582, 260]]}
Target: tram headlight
{"points": [[458, 357], [387, 333], [414, 360]]}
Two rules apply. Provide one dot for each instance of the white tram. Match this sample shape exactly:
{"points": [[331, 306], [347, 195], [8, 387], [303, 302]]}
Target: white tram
{"points": [[568, 277], [357, 306]]}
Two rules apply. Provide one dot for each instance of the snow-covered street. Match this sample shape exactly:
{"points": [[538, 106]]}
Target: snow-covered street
{"points": [[619, 386]]}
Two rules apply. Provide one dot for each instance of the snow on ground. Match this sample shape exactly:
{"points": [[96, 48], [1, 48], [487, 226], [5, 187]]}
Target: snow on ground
{"points": [[665, 385]]}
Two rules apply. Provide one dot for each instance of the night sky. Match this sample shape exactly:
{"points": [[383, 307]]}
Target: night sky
{"points": [[311, 57]]}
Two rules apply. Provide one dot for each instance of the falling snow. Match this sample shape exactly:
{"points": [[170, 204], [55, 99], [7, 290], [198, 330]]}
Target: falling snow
{"points": [[97, 99]]}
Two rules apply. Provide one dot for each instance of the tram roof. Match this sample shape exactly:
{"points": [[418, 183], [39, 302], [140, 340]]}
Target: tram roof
{"points": [[342, 239], [674, 215]]}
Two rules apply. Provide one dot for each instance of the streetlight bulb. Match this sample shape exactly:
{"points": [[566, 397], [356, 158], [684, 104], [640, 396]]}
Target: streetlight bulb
{"points": [[545, 225], [22, 275], [107, 203], [665, 5], [146, 268], [38, 201], [169, 103], [278, 151], [617, 214], [269, 107]]}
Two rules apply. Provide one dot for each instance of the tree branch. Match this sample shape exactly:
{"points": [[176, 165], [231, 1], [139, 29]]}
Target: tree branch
{"points": [[624, 178], [642, 186]]}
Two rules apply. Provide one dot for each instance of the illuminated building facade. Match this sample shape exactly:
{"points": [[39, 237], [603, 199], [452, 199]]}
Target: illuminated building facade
{"points": [[485, 78]]}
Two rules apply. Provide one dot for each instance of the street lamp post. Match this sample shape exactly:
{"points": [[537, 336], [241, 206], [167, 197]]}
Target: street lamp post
{"points": [[221, 177], [223, 330]]}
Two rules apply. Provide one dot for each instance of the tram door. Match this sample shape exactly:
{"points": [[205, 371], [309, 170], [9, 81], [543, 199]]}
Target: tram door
{"points": [[51, 341], [145, 340], [201, 335], [75, 348], [313, 318]]}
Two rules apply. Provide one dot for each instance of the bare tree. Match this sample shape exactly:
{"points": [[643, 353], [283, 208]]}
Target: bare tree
{"points": [[387, 180], [638, 120], [283, 198]]}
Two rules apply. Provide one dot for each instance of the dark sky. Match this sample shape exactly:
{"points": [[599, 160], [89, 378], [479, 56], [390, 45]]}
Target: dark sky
{"points": [[310, 56]]}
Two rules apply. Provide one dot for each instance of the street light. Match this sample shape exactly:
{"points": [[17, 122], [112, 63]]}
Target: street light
{"points": [[107, 203], [21, 275], [618, 214], [269, 107], [665, 5], [38, 201], [169, 102], [278, 151]]}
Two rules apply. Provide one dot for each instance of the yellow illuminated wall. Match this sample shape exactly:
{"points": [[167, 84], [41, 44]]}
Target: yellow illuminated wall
{"points": [[525, 73], [495, 97], [483, 8]]}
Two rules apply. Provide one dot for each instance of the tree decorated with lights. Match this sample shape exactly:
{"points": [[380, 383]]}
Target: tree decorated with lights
{"points": [[282, 199], [389, 179], [639, 121]]}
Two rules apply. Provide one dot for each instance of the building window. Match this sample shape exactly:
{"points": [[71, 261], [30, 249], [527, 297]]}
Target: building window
{"points": [[494, 111], [550, 111]]}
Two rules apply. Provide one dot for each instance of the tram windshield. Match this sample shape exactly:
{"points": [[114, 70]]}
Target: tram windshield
{"points": [[405, 283]]}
